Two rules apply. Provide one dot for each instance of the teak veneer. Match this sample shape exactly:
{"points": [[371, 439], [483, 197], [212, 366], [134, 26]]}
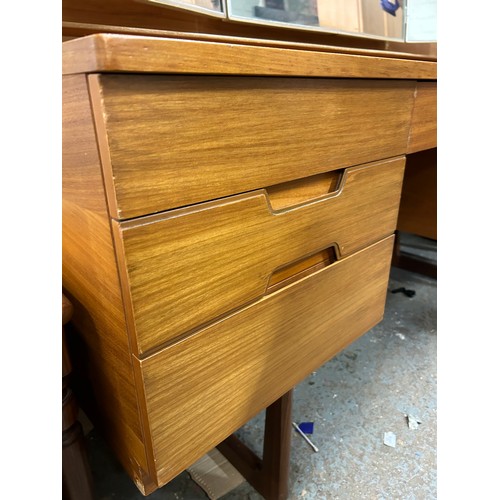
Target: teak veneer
{"points": [[228, 220], [180, 272], [158, 159], [252, 357]]}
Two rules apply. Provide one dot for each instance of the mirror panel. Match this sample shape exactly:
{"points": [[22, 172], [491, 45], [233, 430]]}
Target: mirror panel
{"points": [[210, 7], [359, 17], [392, 20]]}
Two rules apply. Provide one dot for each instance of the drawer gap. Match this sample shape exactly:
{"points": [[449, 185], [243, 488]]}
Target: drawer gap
{"points": [[300, 269], [303, 190]]}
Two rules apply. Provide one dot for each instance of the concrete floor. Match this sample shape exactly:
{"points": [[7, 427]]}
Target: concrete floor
{"points": [[353, 400]]}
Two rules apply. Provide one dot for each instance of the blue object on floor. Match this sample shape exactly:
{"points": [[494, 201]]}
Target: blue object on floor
{"points": [[307, 427]]}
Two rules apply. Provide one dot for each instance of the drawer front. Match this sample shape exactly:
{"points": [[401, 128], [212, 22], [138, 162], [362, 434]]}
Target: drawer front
{"points": [[423, 131], [187, 267], [209, 384], [171, 141]]}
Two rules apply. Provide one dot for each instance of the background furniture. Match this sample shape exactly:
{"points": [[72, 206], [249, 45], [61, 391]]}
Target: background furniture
{"points": [[76, 476], [418, 209], [228, 211]]}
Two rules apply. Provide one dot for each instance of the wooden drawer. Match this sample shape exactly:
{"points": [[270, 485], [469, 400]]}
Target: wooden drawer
{"points": [[186, 267], [171, 141], [209, 384]]}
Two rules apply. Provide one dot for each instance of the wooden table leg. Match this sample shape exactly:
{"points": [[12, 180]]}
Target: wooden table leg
{"points": [[277, 440], [269, 475], [76, 475]]}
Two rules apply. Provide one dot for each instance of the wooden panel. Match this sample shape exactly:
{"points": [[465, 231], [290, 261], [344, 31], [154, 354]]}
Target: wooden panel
{"points": [[209, 384], [174, 141], [126, 15], [423, 132], [189, 266], [121, 53], [416, 51], [418, 210], [378, 22], [343, 15], [373, 18], [90, 279]]}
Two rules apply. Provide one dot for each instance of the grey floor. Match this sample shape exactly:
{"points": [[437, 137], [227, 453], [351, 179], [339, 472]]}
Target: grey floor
{"points": [[353, 400]]}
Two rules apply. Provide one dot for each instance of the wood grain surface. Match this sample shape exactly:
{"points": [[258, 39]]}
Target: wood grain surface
{"points": [[170, 141], [209, 384], [226, 212], [378, 22], [67, 309], [122, 53], [90, 281], [343, 15], [187, 267], [423, 131]]}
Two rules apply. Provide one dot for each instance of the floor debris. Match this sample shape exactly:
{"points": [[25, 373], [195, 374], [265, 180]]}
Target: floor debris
{"points": [[309, 442], [413, 422], [406, 291], [307, 427], [390, 439]]}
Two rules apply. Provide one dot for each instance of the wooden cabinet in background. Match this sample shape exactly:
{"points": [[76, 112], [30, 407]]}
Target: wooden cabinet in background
{"points": [[418, 209]]}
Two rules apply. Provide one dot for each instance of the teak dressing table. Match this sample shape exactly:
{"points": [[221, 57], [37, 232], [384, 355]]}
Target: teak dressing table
{"points": [[228, 218]]}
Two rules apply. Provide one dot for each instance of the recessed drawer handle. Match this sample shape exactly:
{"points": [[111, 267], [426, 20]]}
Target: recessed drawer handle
{"points": [[302, 191], [188, 266], [344, 216], [289, 273]]}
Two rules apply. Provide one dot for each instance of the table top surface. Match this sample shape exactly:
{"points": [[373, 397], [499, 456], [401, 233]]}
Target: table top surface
{"points": [[183, 54]]}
